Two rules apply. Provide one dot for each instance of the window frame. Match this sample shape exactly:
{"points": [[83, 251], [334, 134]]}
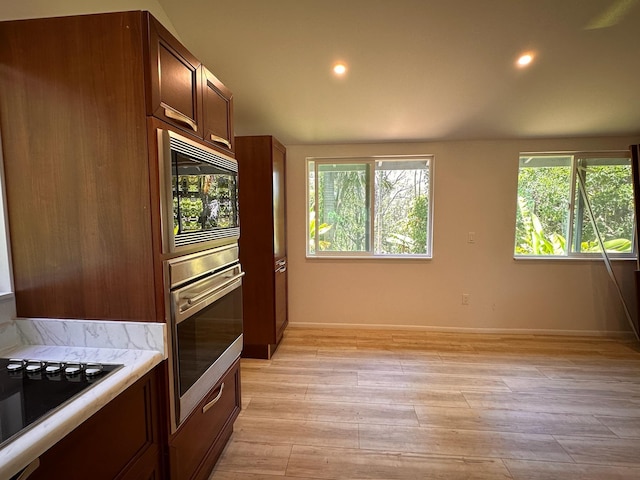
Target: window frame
{"points": [[577, 158], [370, 161]]}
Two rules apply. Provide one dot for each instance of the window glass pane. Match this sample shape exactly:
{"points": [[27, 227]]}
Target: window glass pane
{"points": [[401, 207], [544, 192], [369, 206], [311, 184], [343, 207], [610, 193]]}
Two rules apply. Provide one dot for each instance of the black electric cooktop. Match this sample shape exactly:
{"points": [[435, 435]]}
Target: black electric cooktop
{"points": [[30, 390]]}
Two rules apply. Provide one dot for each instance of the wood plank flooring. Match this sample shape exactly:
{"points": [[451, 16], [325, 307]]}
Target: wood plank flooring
{"points": [[396, 405]]}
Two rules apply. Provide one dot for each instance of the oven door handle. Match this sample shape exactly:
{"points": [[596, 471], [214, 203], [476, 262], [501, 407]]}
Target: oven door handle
{"points": [[201, 296]]}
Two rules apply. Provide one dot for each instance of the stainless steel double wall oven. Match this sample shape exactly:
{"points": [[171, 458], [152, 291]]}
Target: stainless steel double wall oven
{"points": [[203, 290]]}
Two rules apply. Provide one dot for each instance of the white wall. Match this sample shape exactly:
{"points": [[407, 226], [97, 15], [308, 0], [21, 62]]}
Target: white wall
{"points": [[475, 187]]}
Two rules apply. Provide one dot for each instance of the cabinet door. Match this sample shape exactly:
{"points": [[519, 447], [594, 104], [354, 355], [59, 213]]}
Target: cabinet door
{"points": [[281, 299], [120, 441], [175, 81], [217, 112], [279, 204]]}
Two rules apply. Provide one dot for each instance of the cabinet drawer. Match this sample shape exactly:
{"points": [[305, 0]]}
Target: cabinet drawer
{"points": [[194, 441]]}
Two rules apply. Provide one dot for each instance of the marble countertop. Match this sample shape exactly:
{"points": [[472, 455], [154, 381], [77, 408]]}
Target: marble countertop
{"points": [[139, 347]]}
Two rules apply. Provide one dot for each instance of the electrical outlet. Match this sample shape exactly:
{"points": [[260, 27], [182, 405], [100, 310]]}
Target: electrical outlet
{"points": [[465, 299], [472, 237]]}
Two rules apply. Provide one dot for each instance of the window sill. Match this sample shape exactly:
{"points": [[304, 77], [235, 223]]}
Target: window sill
{"points": [[370, 257], [557, 258]]}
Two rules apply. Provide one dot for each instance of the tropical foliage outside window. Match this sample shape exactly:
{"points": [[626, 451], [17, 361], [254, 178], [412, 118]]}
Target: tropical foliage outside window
{"points": [[376, 206], [552, 215]]}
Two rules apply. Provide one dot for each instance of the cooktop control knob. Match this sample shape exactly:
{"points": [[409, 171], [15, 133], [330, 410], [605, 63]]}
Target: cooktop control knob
{"points": [[73, 369], [92, 369], [15, 365], [34, 366], [53, 368]]}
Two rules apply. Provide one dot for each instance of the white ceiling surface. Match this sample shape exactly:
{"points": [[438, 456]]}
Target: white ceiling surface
{"points": [[420, 69]]}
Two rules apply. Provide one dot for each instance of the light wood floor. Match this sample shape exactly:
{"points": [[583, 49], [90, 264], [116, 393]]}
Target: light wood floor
{"points": [[390, 405]]}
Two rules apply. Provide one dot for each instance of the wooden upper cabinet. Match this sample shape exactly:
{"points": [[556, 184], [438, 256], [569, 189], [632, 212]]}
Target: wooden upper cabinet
{"points": [[175, 81], [90, 245], [217, 112], [182, 92]]}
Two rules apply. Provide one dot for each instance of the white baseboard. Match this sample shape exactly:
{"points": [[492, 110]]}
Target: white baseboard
{"points": [[497, 331]]}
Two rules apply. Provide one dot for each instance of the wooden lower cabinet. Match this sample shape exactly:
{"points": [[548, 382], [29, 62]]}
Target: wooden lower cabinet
{"points": [[147, 468], [121, 441], [125, 440], [198, 443]]}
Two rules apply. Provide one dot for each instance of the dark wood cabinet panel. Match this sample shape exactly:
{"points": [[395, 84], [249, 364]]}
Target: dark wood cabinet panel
{"points": [[80, 158], [263, 248], [196, 446], [74, 142], [281, 317], [148, 467], [217, 112], [175, 76], [119, 441], [279, 204]]}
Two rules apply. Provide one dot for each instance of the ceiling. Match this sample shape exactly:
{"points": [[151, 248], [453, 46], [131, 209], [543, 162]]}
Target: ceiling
{"points": [[420, 69]]}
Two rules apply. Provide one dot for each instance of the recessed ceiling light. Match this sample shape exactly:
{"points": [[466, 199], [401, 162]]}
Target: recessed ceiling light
{"points": [[525, 59], [339, 69]]}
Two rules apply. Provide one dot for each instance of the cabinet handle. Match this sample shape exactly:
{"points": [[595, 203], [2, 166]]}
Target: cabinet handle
{"points": [[214, 401], [180, 117], [282, 269], [217, 139]]}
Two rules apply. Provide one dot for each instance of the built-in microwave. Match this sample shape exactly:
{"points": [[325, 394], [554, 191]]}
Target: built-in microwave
{"points": [[198, 194]]}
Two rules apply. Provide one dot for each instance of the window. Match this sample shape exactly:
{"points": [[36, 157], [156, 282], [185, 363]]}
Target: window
{"points": [[376, 206], [553, 216]]}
